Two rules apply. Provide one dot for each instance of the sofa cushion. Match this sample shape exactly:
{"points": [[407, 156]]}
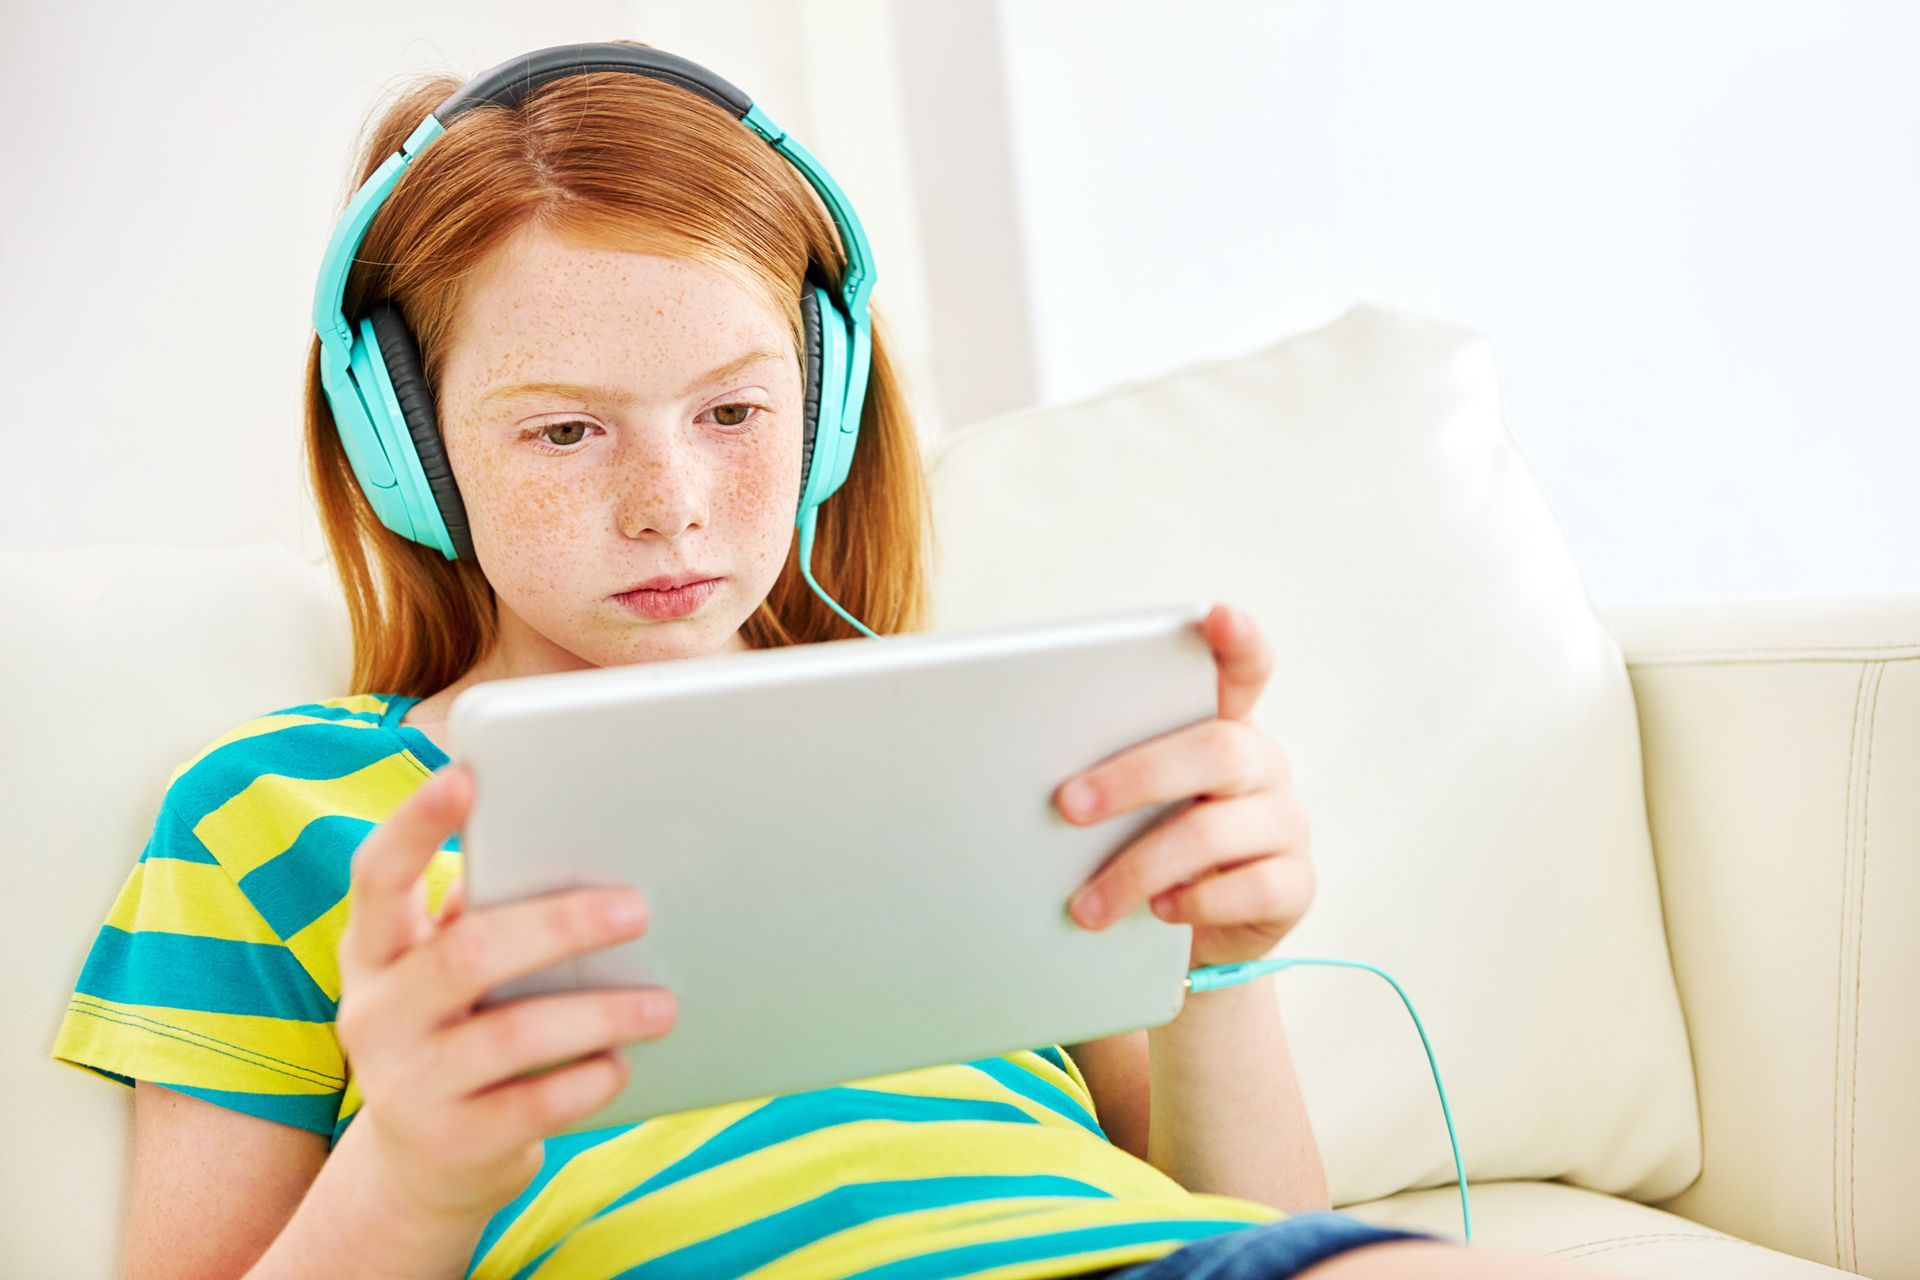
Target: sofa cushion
{"points": [[1601, 1234], [1461, 728], [120, 662]]}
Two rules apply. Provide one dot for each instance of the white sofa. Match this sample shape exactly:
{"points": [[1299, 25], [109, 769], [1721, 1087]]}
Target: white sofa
{"points": [[1620, 862]]}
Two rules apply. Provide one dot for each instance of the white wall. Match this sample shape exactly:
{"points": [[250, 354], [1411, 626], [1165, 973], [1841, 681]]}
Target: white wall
{"points": [[954, 96], [1691, 231]]}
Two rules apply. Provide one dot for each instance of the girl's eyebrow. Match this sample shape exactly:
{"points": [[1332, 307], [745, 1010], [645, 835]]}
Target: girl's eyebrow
{"points": [[609, 395]]}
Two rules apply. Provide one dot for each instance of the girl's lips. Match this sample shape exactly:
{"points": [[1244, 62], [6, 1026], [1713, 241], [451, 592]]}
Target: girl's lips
{"points": [[676, 603]]}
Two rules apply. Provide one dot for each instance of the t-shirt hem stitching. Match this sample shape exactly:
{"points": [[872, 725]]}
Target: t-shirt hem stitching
{"points": [[212, 1044]]}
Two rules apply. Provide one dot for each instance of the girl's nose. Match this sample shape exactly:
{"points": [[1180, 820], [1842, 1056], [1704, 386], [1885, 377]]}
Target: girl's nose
{"points": [[663, 492]]}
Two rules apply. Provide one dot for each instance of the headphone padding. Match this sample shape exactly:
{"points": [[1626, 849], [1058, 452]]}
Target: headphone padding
{"points": [[402, 357], [810, 323]]}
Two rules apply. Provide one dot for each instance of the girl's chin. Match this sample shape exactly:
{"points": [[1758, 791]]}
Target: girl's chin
{"points": [[670, 641]]}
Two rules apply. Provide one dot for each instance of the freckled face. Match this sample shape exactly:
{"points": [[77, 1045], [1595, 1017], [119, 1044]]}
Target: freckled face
{"points": [[574, 496]]}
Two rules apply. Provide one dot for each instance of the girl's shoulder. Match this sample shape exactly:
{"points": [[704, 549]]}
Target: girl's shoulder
{"points": [[317, 751]]}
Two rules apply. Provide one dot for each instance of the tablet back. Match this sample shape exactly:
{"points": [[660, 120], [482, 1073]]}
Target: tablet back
{"points": [[849, 850]]}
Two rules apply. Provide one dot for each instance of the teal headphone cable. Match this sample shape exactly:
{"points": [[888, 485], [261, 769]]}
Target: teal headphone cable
{"points": [[1214, 976], [807, 520]]}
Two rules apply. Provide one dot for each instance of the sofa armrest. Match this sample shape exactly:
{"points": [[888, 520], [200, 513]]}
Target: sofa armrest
{"points": [[1781, 744]]}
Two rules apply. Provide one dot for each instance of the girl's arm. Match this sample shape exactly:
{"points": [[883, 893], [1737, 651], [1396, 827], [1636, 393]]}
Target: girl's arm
{"points": [[1115, 1069], [351, 1223], [1226, 1115], [236, 1179], [267, 1194]]}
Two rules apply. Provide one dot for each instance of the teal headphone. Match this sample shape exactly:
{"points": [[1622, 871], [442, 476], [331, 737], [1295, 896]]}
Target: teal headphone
{"points": [[370, 367]]}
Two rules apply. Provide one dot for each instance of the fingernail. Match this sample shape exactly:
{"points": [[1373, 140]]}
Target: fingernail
{"points": [[1086, 907], [625, 910], [1078, 798]]}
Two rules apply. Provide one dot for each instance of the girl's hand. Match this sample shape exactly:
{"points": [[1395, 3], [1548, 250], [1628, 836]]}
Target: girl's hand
{"points": [[444, 1120], [1236, 864]]}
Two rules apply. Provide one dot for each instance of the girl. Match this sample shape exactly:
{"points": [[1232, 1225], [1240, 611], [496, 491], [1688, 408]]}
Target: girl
{"points": [[599, 284]]}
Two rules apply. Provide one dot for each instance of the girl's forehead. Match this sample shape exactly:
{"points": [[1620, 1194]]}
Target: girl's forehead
{"points": [[611, 278], [614, 304], [536, 260]]}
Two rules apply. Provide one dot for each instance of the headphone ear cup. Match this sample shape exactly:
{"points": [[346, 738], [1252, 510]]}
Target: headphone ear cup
{"points": [[401, 355], [810, 368], [833, 449]]}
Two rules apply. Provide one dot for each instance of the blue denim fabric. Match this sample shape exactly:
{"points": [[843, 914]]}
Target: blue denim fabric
{"points": [[1266, 1251]]}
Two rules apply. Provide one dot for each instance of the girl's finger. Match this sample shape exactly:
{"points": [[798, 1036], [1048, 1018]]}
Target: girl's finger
{"points": [[452, 903], [1188, 844], [1274, 891]]}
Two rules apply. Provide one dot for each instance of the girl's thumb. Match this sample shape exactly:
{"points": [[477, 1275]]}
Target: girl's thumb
{"points": [[450, 793]]}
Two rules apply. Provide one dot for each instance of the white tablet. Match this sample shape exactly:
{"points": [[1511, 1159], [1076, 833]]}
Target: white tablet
{"points": [[850, 853]]}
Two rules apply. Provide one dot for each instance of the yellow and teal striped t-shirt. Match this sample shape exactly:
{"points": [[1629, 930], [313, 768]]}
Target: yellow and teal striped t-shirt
{"points": [[216, 974]]}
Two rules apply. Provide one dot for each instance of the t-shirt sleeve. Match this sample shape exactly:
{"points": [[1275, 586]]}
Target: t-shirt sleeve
{"points": [[188, 986]]}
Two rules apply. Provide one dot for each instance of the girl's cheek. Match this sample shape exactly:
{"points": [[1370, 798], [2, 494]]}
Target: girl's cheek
{"points": [[756, 487], [515, 492], [772, 481]]}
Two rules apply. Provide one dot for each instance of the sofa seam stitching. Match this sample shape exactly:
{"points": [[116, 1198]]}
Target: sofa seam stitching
{"points": [[1838, 1103], [1859, 963], [1762, 654], [1626, 1242]]}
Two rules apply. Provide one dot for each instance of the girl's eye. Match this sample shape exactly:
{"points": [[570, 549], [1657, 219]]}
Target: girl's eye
{"points": [[543, 429], [737, 422], [538, 435]]}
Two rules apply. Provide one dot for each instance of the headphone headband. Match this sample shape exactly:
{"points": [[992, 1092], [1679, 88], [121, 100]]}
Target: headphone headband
{"points": [[509, 83]]}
